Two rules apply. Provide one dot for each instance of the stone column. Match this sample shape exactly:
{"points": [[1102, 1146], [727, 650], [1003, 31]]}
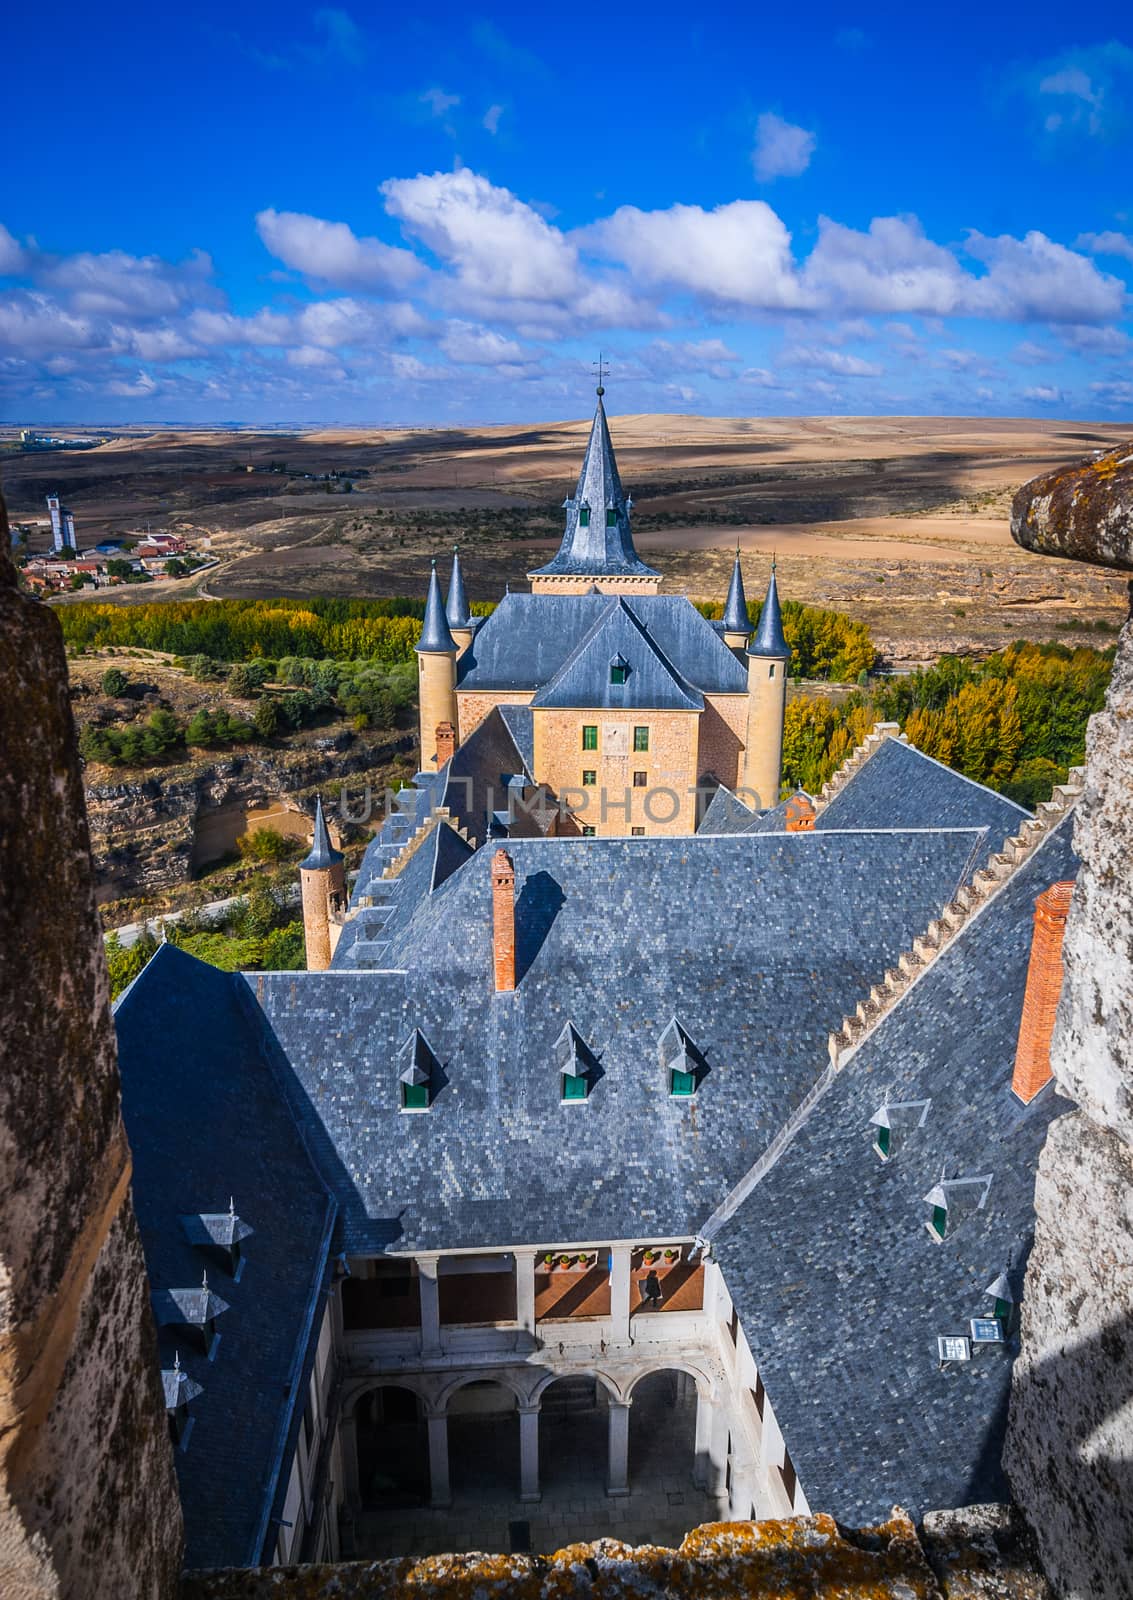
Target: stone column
{"points": [[430, 1306], [702, 1446], [440, 1491], [529, 1453], [525, 1291], [617, 1467], [620, 1256], [348, 1450]]}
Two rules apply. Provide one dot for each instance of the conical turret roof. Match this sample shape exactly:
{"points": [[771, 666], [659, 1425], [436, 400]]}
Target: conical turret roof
{"points": [[597, 541], [769, 637], [736, 619], [323, 854], [456, 606], [435, 636]]}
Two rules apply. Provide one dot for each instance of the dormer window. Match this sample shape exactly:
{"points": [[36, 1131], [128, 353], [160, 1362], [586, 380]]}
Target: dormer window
{"points": [[682, 1061], [584, 516], [417, 1066], [619, 669], [896, 1117], [952, 1200], [611, 517], [575, 1062]]}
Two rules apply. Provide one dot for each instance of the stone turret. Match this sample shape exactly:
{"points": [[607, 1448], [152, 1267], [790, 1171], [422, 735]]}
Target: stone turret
{"points": [[597, 547], [768, 655], [88, 1498], [737, 624], [436, 673], [457, 611], [322, 876]]}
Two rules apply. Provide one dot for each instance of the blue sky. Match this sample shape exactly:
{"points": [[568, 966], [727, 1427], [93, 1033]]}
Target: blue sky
{"points": [[312, 214]]}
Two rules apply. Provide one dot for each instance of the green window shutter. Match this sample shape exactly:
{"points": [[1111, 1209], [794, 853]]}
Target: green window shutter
{"points": [[1003, 1312], [573, 1088], [588, 832], [881, 1140], [584, 517], [641, 738], [939, 1221], [589, 779], [681, 1084], [415, 1097], [611, 517], [589, 736], [617, 674]]}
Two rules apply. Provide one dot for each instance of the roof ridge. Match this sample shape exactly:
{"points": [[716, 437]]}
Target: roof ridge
{"points": [[618, 606]]}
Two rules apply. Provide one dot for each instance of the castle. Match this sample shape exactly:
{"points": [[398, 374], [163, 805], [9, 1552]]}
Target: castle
{"points": [[632, 709], [593, 1175]]}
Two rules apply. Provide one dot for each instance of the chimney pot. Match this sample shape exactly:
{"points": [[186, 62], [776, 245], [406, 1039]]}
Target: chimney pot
{"points": [[1044, 985], [800, 814], [446, 742], [503, 921]]}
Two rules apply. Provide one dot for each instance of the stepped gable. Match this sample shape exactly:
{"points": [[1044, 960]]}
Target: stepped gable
{"points": [[617, 936], [900, 787], [528, 638], [206, 1124], [831, 1311], [597, 541], [652, 681]]}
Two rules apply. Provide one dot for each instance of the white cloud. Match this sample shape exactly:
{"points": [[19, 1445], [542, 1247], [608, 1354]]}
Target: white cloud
{"points": [[891, 268], [1035, 279], [117, 284], [1044, 394], [438, 102], [309, 355], [142, 386], [739, 252], [1106, 244], [782, 149], [1083, 92], [1030, 354], [332, 252], [837, 361], [35, 325], [478, 347], [12, 257], [491, 119]]}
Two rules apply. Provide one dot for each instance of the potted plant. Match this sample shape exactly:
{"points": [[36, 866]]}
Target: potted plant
{"points": [[649, 1257], [672, 1256], [565, 1261], [549, 1260]]}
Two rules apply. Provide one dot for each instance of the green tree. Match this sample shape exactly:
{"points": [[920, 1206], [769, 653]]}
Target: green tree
{"points": [[266, 717], [114, 681]]}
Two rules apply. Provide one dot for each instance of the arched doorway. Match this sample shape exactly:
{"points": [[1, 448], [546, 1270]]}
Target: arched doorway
{"points": [[662, 1429], [393, 1448], [483, 1442], [574, 1427]]}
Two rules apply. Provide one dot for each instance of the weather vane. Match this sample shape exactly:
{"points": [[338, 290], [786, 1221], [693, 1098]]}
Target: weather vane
{"points": [[602, 368]]}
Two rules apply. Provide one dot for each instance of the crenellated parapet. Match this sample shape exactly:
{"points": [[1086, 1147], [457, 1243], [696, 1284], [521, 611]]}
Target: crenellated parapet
{"points": [[970, 898]]}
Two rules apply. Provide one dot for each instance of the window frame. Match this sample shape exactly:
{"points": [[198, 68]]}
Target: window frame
{"points": [[637, 833], [611, 516], [641, 739], [590, 736], [589, 831], [584, 516], [618, 674], [574, 1090], [882, 1141], [410, 1093], [589, 778], [641, 780], [682, 1085]]}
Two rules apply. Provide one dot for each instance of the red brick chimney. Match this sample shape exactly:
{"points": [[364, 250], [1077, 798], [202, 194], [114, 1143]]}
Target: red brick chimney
{"points": [[1044, 984], [446, 742], [800, 814], [503, 920]]}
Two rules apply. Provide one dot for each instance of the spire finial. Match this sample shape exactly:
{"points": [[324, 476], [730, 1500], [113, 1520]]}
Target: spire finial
{"points": [[205, 1280], [601, 367], [177, 1361], [231, 1206]]}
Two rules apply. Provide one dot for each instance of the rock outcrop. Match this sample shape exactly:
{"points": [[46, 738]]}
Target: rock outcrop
{"points": [[88, 1501], [1070, 1440]]}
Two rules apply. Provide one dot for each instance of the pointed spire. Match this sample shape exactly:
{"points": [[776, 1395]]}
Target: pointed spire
{"points": [[736, 619], [435, 636], [769, 638], [456, 607], [597, 541], [323, 854]]}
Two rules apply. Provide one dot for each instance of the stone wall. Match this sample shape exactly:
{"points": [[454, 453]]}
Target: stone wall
{"points": [[1070, 1440], [88, 1502], [669, 764]]}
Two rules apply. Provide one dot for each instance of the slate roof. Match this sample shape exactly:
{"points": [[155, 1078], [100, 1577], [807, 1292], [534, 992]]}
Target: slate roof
{"points": [[528, 638], [840, 1289], [600, 547], [770, 639], [457, 612], [736, 619], [206, 1121], [652, 681], [899, 787], [615, 936], [322, 853], [726, 813], [435, 636]]}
